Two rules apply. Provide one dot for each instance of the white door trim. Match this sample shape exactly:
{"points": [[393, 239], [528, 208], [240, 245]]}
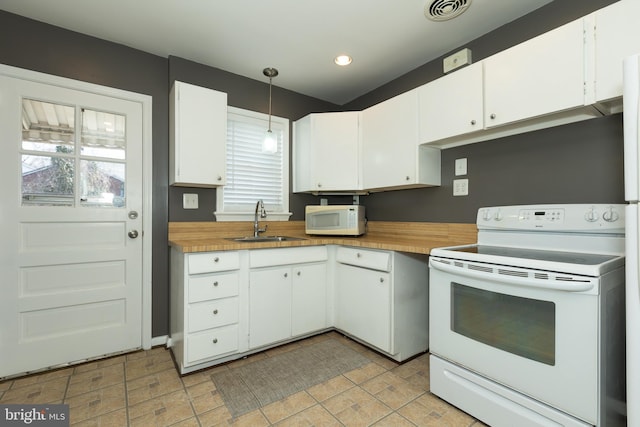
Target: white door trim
{"points": [[147, 162]]}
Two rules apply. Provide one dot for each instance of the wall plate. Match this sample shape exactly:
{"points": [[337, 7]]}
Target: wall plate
{"points": [[457, 60], [189, 201], [460, 187]]}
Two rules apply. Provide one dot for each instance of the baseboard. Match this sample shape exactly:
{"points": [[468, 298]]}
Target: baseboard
{"points": [[161, 340]]}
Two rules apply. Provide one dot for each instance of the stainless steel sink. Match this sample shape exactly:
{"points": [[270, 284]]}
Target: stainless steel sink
{"points": [[265, 239]]}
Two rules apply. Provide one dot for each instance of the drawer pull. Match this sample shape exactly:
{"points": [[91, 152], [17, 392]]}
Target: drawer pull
{"points": [[299, 273], [216, 259], [359, 255], [286, 274], [215, 340], [215, 311], [215, 283], [382, 280]]}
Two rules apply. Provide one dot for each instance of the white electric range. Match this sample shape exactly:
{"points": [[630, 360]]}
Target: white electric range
{"points": [[527, 325]]}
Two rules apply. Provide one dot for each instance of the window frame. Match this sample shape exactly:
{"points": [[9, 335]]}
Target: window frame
{"points": [[222, 215]]}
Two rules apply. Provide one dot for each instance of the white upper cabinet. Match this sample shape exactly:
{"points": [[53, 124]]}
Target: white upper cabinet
{"points": [[541, 76], [326, 150], [452, 105], [617, 35], [197, 136], [391, 156]]}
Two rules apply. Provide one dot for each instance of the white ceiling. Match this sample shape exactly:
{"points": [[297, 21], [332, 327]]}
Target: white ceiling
{"points": [[386, 38]]}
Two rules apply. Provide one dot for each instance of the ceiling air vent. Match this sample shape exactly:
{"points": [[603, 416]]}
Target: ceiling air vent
{"points": [[443, 10]]}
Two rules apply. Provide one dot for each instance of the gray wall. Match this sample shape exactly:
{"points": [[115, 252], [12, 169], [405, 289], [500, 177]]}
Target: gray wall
{"points": [[574, 163]]}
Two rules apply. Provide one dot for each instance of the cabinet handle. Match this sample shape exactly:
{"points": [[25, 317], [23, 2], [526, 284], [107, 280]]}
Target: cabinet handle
{"points": [[493, 116], [358, 255], [319, 185], [407, 178], [215, 283], [299, 273], [215, 340], [219, 178], [382, 280], [215, 311], [473, 122], [286, 274], [216, 259]]}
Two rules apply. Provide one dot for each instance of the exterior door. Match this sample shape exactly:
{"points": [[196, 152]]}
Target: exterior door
{"points": [[71, 225]]}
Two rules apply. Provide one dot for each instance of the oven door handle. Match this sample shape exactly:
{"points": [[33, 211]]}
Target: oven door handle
{"points": [[555, 285]]}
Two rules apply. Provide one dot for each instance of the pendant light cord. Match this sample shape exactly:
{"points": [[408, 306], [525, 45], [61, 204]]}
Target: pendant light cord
{"points": [[271, 73], [270, 78]]}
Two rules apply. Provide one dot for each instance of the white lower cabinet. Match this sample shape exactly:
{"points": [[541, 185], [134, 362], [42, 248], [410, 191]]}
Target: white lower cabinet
{"points": [[205, 307], [368, 318], [228, 304], [287, 293], [309, 299], [382, 299], [269, 306]]}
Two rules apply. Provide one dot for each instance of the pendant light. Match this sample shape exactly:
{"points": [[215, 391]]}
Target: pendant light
{"points": [[270, 141]]}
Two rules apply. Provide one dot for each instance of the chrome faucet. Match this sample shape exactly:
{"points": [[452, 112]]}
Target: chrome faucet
{"points": [[263, 214]]}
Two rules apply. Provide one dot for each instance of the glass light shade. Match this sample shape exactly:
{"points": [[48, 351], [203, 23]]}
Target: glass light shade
{"points": [[270, 143]]}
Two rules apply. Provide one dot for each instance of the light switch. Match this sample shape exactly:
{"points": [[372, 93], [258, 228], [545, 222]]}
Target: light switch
{"points": [[461, 166], [189, 201]]}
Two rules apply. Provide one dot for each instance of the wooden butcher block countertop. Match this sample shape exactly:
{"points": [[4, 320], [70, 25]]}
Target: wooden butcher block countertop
{"points": [[414, 237]]}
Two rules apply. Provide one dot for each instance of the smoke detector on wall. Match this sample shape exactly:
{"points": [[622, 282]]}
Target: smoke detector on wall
{"points": [[443, 10]]}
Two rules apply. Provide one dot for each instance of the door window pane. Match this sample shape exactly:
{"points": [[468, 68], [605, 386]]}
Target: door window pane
{"points": [[102, 184], [521, 326], [47, 127], [103, 134], [47, 180]]}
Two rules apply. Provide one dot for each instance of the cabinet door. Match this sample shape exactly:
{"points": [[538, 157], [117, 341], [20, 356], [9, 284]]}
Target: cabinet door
{"points": [[451, 105], [269, 306], [336, 149], [538, 77], [309, 299], [390, 141], [363, 304], [197, 136], [327, 152], [617, 36]]}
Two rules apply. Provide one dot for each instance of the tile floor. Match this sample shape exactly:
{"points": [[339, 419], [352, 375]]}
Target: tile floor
{"points": [[144, 389]]}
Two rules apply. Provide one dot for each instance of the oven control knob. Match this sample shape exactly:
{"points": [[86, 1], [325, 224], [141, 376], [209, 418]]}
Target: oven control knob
{"points": [[486, 215], [498, 216], [591, 215], [610, 215]]}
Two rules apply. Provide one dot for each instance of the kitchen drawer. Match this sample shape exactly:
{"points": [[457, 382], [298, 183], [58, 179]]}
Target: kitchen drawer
{"points": [[212, 314], [212, 343], [214, 286], [286, 256], [374, 260], [210, 262]]}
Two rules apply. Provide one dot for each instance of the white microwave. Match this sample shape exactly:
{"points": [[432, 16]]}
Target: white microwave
{"points": [[335, 220]]}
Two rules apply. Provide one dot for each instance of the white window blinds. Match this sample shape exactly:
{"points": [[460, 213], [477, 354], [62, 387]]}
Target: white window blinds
{"points": [[252, 174]]}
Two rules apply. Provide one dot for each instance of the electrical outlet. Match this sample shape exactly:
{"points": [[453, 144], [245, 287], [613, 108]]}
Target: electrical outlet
{"points": [[460, 187], [189, 201]]}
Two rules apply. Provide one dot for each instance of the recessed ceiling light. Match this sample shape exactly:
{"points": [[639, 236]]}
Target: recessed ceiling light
{"points": [[343, 60]]}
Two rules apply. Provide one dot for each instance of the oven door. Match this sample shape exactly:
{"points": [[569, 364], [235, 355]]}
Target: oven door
{"points": [[530, 331]]}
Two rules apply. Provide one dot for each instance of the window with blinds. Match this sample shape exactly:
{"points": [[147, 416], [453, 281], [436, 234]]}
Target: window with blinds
{"points": [[253, 174]]}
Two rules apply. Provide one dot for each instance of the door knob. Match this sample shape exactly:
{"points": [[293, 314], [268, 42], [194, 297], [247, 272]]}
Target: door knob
{"points": [[133, 234]]}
